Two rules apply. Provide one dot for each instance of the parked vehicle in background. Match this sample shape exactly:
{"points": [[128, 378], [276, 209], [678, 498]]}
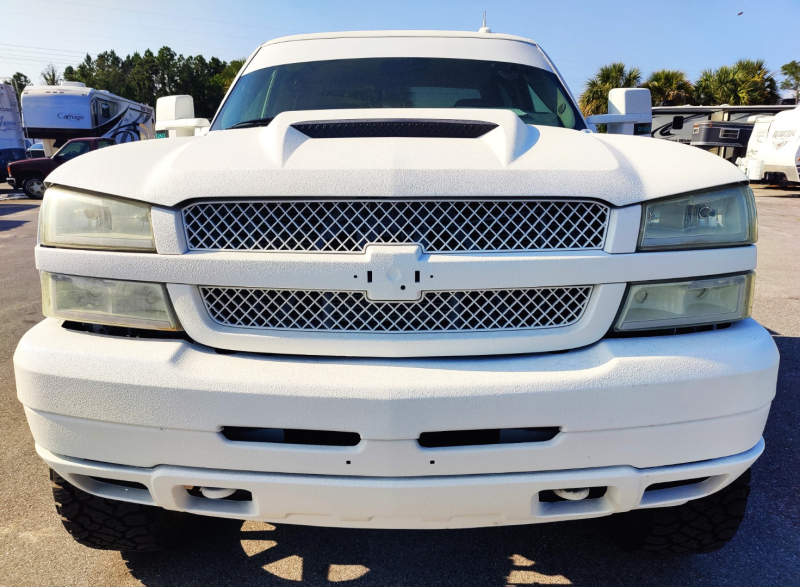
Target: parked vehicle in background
{"points": [[29, 174], [400, 284], [12, 141], [56, 114], [773, 152], [34, 149], [723, 138], [676, 123]]}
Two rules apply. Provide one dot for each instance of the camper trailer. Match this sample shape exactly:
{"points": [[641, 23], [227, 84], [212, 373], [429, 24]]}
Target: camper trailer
{"points": [[12, 142], [726, 139], [56, 114], [676, 123], [773, 152]]}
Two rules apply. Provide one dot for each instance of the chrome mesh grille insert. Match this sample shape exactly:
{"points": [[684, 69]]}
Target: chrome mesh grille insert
{"points": [[439, 226], [436, 311]]}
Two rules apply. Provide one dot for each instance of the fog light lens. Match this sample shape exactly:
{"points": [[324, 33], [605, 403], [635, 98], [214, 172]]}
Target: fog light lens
{"points": [[107, 301], [651, 306]]}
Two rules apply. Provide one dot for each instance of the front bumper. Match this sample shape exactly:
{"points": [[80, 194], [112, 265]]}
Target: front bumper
{"points": [[422, 503], [638, 402], [11, 181]]}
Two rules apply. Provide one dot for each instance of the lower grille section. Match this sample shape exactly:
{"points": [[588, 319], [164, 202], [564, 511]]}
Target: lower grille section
{"points": [[436, 311]]}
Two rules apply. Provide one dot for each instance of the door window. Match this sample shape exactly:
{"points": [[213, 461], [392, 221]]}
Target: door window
{"points": [[71, 150], [102, 143]]}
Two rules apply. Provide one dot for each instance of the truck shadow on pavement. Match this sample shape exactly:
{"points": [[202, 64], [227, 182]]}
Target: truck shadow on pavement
{"points": [[256, 553], [228, 552]]}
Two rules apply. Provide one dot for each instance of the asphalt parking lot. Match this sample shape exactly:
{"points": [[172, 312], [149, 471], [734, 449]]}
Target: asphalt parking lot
{"points": [[35, 550]]}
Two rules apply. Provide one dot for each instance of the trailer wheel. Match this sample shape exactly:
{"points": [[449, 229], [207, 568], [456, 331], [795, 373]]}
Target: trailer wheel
{"points": [[34, 188], [699, 526]]}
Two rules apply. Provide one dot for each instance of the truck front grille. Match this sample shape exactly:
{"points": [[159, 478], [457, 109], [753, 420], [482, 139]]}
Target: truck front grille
{"points": [[439, 226], [436, 311]]}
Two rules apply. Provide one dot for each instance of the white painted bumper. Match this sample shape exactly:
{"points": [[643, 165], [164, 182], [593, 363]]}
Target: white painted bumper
{"points": [[622, 405], [402, 502]]}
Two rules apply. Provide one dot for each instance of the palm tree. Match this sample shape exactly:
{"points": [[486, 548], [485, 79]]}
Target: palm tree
{"points": [[704, 88], [669, 84], [594, 99], [745, 83]]}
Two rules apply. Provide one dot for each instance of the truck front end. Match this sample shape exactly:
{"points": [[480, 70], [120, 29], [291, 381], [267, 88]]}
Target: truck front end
{"points": [[397, 286]]}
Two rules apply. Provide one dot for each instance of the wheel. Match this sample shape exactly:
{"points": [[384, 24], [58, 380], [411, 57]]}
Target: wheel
{"points": [[696, 527], [107, 524], [34, 188]]}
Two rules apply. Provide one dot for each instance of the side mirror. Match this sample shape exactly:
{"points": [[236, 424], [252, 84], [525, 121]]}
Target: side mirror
{"points": [[630, 112], [175, 117], [677, 123]]}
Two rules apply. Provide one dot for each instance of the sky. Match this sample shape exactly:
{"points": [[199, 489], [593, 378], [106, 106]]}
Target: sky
{"points": [[579, 35]]}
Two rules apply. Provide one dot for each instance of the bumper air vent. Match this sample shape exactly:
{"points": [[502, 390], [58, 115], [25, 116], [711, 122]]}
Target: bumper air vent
{"points": [[673, 484], [410, 128], [289, 436], [483, 437]]}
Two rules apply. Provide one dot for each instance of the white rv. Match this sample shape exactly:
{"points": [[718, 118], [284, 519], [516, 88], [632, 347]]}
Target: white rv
{"points": [[676, 123], [773, 153], [56, 114], [12, 142]]}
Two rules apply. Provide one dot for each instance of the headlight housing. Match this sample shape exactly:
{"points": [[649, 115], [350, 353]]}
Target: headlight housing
{"points": [[677, 304], [712, 218], [133, 304], [84, 221]]}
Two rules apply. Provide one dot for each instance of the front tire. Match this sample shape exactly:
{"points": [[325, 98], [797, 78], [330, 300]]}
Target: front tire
{"points": [[34, 188], [699, 526], [107, 524]]}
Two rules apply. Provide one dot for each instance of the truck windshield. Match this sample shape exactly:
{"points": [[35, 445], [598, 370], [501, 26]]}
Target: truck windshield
{"points": [[534, 94]]}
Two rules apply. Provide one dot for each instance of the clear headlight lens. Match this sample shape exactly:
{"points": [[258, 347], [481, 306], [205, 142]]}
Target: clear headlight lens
{"points": [[107, 301], [707, 219], [70, 219], [651, 306]]}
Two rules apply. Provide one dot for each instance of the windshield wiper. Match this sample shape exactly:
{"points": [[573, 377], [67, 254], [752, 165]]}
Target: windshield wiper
{"points": [[253, 122]]}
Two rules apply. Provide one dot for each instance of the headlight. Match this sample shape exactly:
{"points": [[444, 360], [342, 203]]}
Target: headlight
{"points": [[707, 219], [652, 306], [70, 219], [107, 301]]}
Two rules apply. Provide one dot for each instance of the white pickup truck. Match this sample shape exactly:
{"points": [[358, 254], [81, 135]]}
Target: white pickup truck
{"points": [[399, 284]]}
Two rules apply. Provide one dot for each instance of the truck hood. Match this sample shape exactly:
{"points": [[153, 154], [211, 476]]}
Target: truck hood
{"points": [[512, 159]]}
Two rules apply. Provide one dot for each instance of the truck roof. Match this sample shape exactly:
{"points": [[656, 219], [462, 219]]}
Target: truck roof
{"points": [[384, 34], [362, 44]]}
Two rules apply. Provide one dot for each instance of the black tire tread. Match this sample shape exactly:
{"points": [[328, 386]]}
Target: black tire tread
{"points": [[699, 526], [107, 524]]}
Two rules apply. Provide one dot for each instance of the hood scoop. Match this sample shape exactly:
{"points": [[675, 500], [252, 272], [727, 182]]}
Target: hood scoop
{"points": [[394, 127]]}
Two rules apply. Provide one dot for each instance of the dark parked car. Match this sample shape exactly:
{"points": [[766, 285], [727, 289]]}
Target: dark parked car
{"points": [[28, 174]]}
